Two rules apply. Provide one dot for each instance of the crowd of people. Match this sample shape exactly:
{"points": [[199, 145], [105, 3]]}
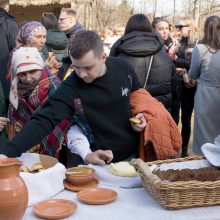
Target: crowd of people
{"points": [[69, 93]]}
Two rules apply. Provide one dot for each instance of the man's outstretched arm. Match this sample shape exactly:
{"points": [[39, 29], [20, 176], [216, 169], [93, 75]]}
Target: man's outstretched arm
{"points": [[58, 107]]}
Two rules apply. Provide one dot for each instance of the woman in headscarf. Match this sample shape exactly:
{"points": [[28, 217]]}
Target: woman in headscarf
{"points": [[31, 85], [33, 34]]}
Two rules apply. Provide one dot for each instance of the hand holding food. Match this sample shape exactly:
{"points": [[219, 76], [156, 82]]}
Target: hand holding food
{"points": [[50, 54], [52, 63], [138, 122]]}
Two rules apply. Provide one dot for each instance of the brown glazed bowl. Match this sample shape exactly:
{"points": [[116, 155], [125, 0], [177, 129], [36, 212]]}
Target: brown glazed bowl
{"points": [[80, 175]]}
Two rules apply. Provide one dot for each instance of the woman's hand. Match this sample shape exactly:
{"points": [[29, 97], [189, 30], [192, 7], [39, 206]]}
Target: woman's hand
{"points": [[3, 122], [139, 127], [180, 71], [52, 64], [191, 83], [175, 47]]}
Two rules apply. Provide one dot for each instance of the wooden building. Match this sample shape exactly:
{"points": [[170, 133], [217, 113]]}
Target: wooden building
{"points": [[31, 10]]}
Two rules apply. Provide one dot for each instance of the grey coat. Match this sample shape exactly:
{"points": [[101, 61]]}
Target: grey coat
{"points": [[205, 67]]}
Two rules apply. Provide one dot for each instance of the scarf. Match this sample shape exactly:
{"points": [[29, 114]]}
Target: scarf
{"points": [[47, 85]]}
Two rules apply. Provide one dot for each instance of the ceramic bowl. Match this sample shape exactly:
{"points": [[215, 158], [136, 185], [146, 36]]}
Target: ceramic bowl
{"points": [[80, 175]]}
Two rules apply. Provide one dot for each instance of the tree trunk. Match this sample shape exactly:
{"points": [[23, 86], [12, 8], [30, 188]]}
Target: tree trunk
{"points": [[174, 11], [196, 12]]}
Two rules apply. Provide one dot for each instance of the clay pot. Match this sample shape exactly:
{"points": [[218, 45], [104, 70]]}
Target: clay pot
{"points": [[13, 191]]}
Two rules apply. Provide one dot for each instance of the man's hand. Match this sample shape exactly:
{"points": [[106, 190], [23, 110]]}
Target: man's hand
{"points": [[99, 157], [3, 122], [139, 127]]}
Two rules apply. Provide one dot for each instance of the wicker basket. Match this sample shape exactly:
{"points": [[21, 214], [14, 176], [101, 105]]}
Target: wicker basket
{"points": [[179, 194]]}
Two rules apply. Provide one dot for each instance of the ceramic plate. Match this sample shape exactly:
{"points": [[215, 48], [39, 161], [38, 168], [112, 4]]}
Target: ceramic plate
{"points": [[54, 208], [97, 196], [77, 188]]}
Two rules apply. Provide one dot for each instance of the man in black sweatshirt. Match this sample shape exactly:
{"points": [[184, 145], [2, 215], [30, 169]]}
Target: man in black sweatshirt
{"points": [[102, 87]]}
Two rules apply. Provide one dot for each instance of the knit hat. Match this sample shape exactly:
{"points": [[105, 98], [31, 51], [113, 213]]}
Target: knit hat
{"points": [[28, 30], [23, 59]]}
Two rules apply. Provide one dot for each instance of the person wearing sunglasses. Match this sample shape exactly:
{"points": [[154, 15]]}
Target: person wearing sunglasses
{"points": [[186, 91]]}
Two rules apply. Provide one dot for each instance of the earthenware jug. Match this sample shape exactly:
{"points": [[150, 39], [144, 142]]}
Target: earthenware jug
{"points": [[13, 191]]}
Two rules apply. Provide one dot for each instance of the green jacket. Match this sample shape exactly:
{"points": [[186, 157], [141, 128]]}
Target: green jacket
{"points": [[57, 43]]}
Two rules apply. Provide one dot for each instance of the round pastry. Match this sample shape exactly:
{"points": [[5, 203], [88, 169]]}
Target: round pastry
{"points": [[123, 168], [135, 120]]}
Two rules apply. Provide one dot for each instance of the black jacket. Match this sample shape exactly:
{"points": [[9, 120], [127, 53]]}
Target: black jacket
{"points": [[8, 33], [180, 61], [137, 48]]}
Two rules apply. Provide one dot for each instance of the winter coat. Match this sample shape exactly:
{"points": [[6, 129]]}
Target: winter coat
{"points": [[161, 131], [57, 43], [74, 30], [137, 48], [8, 33]]}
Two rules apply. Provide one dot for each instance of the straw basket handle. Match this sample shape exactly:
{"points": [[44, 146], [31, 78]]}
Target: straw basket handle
{"points": [[141, 166], [143, 169]]}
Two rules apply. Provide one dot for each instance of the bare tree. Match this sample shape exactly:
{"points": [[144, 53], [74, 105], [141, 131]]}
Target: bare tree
{"points": [[196, 12], [155, 4], [174, 11]]}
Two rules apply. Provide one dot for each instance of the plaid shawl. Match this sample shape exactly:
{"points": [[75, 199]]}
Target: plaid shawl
{"points": [[48, 84]]}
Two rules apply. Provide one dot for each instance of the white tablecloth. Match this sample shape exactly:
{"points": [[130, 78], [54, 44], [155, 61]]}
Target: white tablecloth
{"points": [[132, 204]]}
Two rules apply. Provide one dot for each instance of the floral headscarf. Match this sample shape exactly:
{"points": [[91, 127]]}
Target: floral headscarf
{"points": [[27, 31]]}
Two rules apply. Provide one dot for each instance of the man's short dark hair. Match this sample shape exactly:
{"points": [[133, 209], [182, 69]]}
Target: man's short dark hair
{"points": [[85, 41]]}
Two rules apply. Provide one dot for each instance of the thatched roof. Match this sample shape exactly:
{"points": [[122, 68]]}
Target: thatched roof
{"points": [[25, 3]]}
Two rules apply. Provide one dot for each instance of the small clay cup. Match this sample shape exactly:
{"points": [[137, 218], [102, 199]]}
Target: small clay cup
{"points": [[80, 175]]}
